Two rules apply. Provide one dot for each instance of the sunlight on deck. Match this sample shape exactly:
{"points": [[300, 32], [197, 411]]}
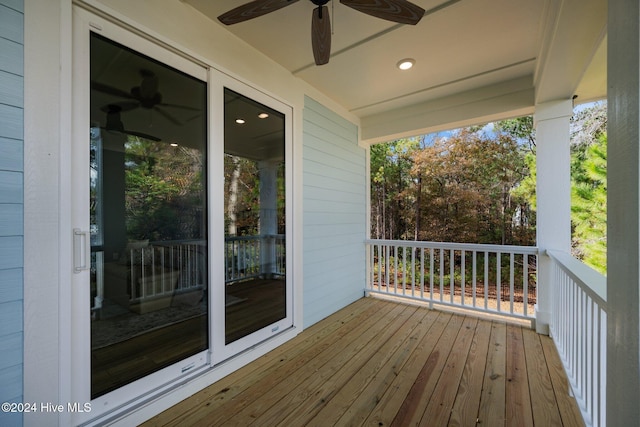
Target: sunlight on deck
{"points": [[382, 363]]}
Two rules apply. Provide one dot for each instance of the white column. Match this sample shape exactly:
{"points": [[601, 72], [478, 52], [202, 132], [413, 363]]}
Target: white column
{"points": [[623, 205], [553, 192], [268, 215]]}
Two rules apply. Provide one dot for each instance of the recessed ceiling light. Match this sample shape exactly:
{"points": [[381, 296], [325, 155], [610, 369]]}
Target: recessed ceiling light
{"points": [[406, 64], [263, 115], [240, 121], [174, 144]]}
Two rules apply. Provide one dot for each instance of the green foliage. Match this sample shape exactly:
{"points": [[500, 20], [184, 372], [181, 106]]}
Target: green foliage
{"points": [[164, 191], [477, 186], [589, 206]]}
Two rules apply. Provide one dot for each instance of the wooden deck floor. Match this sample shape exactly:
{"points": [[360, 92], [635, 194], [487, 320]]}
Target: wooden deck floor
{"points": [[381, 363]]}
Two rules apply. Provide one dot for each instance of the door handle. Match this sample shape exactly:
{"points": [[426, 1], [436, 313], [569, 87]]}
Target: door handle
{"points": [[81, 250]]}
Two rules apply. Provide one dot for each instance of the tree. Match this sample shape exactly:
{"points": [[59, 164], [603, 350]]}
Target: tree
{"points": [[165, 193], [589, 207], [456, 186]]}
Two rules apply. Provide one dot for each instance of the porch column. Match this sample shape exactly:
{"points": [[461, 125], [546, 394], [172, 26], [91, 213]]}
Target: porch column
{"points": [[553, 192], [268, 171], [623, 204]]}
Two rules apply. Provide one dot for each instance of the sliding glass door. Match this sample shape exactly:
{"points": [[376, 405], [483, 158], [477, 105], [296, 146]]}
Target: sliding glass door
{"points": [[256, 288], [148, 215], [180, 188]]}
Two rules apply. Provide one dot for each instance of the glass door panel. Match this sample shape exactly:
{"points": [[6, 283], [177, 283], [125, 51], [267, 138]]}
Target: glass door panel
{"points": [[148, 216], [254, 218]]}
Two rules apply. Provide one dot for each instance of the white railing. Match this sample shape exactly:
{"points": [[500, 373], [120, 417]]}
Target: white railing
{"points": [[249, 257], [579, 330], [489, 278], [165, 268]]}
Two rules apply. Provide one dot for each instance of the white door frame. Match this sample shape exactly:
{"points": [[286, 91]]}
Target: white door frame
{"points": [[84, 24], [217, 83], [135, 394]]}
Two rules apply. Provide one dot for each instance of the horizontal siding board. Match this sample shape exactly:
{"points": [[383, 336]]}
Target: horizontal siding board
{"points": [[11, 209], [350, 251], [11, 220], [11, 252], [11, 57], [348, 175], [326, 131], [11, 89], [334, 218], [316, 190], [11, 285], [10, 318], [322, 139], [320, 297], [334, 241], [11, 350], [12, 419], [11, 380], [11, 155], [17, 5], [329, 218], [318, 113], [320, 206], [331, 183], [11, 122], [316, 193], [320, 142], [329, 230], [11, 24], [329, 269], [351, 164], [11, 187]]}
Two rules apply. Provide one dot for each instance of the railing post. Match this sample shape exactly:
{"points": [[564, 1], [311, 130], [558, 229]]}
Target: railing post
{"points": [[553, 192]]}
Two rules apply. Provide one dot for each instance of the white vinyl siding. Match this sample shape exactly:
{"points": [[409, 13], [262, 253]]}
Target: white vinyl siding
{"points": [[11, 205], [334, 205]]}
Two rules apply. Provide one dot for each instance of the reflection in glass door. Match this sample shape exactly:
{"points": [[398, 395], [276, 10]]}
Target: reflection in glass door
{"points": [[148, 216], [254, 204]]}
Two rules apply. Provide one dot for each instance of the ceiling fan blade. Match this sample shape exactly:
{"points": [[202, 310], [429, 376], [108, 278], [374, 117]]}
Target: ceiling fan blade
{"points": [[120, 106], [321, 35], [180, 107], [110, 90], [168, 116], [252, 10], [401, 11]]}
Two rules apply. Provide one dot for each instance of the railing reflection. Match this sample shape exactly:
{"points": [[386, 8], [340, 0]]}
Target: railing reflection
{"points": [[248, 257]]}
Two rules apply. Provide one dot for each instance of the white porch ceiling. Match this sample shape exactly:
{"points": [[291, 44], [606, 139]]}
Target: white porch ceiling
{"points": [[466, 51]]}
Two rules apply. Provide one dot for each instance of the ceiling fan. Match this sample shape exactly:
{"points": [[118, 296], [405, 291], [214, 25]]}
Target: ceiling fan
{"points": [[114, 123], [401, 11], [146, 95]]}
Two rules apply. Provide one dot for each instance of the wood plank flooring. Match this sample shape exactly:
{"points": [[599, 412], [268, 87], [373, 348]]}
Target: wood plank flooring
{"points": [[380, 363]]}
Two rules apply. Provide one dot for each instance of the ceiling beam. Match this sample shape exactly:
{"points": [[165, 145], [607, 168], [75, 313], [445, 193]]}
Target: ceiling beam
{"points": [[574, 31], [494, 102]]}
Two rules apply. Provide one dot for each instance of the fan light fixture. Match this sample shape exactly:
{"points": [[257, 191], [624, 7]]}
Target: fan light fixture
{"points": [[406, 64]]}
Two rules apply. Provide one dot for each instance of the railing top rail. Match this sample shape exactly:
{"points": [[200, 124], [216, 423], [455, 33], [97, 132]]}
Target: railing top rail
{"points": [[253, 237], [594, 283], [529, 250]]}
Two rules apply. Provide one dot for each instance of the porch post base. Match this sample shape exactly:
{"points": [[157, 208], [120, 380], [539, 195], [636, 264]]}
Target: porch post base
{"points": [[542, 321]]}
